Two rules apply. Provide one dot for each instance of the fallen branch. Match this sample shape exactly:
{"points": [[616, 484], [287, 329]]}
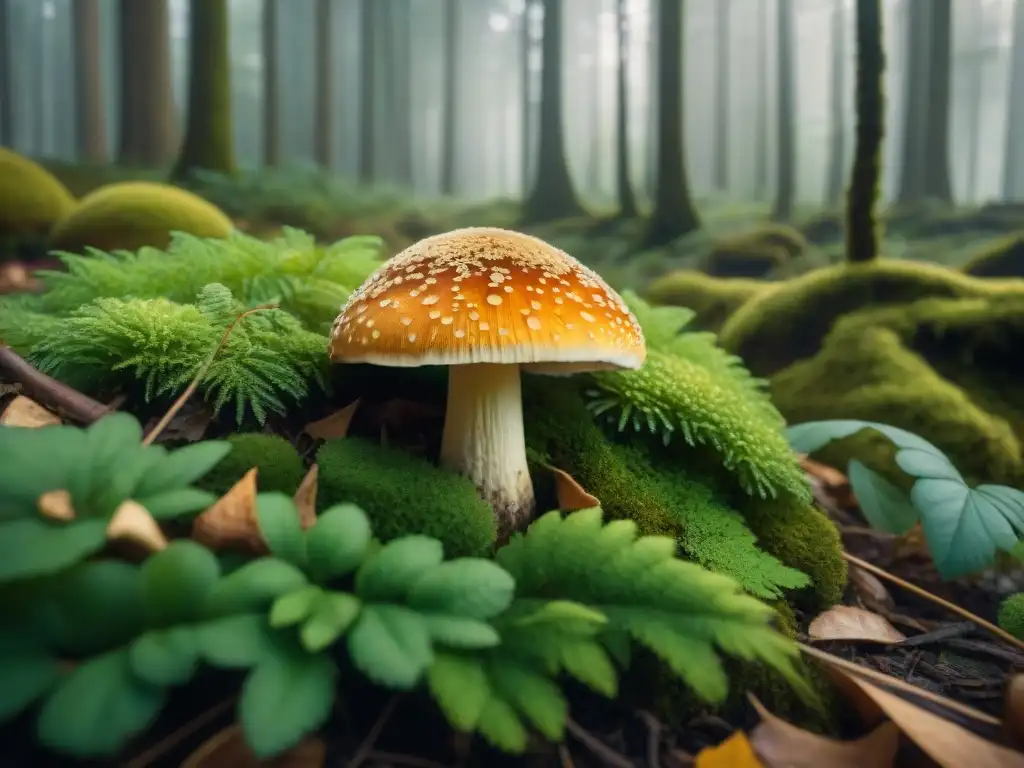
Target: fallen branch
{"points": [[47, 391]]}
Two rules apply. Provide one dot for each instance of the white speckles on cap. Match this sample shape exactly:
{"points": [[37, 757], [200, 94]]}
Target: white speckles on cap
{"points": [[498, 278]]}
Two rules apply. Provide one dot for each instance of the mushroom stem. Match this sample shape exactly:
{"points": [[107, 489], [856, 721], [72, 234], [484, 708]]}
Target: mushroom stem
{"points": [[483, 439]]}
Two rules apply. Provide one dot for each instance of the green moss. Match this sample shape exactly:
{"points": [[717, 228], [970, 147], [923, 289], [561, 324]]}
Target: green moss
{"points": [[1004, 258], [713, 299], [32, 200], [1011, 615], [280, 468], [744, 260], [404, 494], [790, 322]]}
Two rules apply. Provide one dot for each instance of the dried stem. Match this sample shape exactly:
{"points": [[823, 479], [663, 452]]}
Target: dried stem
{"points": [[48, 391], [602, 751], [366, 747], [165, 745]]}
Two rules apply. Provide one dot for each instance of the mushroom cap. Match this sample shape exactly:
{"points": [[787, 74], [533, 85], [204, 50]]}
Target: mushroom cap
{"points": [[487, 295]]}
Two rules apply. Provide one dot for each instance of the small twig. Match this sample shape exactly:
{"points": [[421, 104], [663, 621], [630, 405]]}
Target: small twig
{"points": [[203, 369], [653, 738], [952, 607], [169, 742], [50, 392], [565, 757], [393, 758], [366, 747], [602, 751], [940, 635]]}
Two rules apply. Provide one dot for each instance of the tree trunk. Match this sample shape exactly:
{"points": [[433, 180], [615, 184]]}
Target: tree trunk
{"points": [[722, 77], [553, 196], [525, 145], [271, 85], [785, 191], [976, 70], [937, 182], [367, 92], [627, 197], [91, 123], [396, 38], [209, 141], [6, 77], [674, 214], [837, 108], [323, 129], [449, 109], [761, 142], [1013, 163], [861, 225], [147, 109]]}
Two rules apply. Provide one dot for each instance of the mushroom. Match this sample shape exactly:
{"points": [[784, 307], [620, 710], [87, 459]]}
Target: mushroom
{"points": [[487, 302]]}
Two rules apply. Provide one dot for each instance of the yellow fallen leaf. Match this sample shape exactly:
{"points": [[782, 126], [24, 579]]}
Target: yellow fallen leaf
{"points": [[782, 745], [228, 748], [571, 495], [231, 522], [24, 412], [305, 497], [56, 505], [847, 622], [334, 426], [132, 522], [734, 752]]}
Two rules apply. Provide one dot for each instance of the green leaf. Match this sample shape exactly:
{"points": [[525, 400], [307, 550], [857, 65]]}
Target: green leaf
{"points": [[332, 615], [36, 461], [931, 464], [27, 672], [501, 726], [338, 541], [182, 467], [235, 642], [98, 707], [253, 586], [167, 505], [568, 616], [33, 546], [281, 528], [388, 574], [813, 435], [532, 693], [176, 580], [460, 686], [391, 645], [288, 695], [293, 607], [589, 663], [165, 657], [885, 506], [461, 631], [471, 587]]}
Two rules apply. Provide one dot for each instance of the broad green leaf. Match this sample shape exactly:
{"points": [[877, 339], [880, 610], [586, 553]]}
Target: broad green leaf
{"points": [[813, 435], [532, 693], [390, 644], [253, 586], [280, 527], [234, 642], [460, 631], [886, 507], [388, 574], [569, 617], [166, 505], [460, 686], [294, 607], [589, 663], [98, 707], [176, 580], [931, 464], [332, 615], [35, 461], [27, 672], [165, 657], [182, 467], [286, 696], [337, 542], [471, 587], [34, 546], [501, 726]]}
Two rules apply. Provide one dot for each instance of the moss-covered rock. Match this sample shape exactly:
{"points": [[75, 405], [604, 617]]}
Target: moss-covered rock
{"points": [[754, 253], [32, 200], [1004, 258], [279, 466], [135, 214], [1011, 615], [403, 494], [790, 322], [713, 299]]}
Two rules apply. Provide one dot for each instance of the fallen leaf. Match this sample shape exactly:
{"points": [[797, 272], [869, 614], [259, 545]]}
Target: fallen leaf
{"points": [[189, 424], [24, 412], [847, 622], [911, 545], [782, 745], [734, 752], [334, 426], [56, 505], [305, 497], [132, 522], [231, 523], [1013, 711], [871, 590], [228, 748], [571, 495], [15, 278]]}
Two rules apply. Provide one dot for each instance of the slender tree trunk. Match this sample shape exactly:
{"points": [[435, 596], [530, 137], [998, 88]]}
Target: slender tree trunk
{"points": [[323, 125], [837, 107], [594, 109], [6, 79], [395, 43], [976, 71], [674, 214], [861, 225], [367, 92], [785, 191], [209, 137], [915, 104], [723, 76], [91, 123], [1013, 163], [761, 139], [147, 110], [449, 110], [271, 85], [553, 195], [624, 184], [937, 181], [526, 146]]}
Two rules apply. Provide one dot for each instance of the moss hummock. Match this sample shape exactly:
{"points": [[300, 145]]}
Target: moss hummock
{"points": [[32, 200], [279, 466], [1003, 258], [714, 299]]}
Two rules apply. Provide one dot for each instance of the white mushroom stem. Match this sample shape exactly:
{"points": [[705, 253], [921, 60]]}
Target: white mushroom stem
{"points": [[483, 439]]}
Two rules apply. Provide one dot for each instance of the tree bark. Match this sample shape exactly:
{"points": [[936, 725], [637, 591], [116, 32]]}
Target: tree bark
{"points": [[937, 182], [761, 141], [90, 115], [626, 195], [785, 191], [526, 126], [209, 138], [367, 92], [674, 214], [553, 195], [1013, 164], [722, 77], [395, 44], [271, 85], [976, 69], [323, 133], [449, 110], [6, 79], [837, 110]]}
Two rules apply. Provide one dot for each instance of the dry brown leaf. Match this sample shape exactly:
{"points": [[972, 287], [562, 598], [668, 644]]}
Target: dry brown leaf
{"points": [[871, 591], [25, 412], [734, 752], [782, 745], [1013, 711], [911, 545], [833, 482], [305, 497], [231, 522], [571, 495], [132, 522], [56, 505], [228, 748], [334, 426], [15, 278], [847, 622]]}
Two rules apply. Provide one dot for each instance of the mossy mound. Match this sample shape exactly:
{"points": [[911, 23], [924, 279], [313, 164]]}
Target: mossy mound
{"points": [[1001, 259], [32, 200], [279, 466], [135, 214], [754, 253], [790, 322], [1011, 615], [713, 299]]}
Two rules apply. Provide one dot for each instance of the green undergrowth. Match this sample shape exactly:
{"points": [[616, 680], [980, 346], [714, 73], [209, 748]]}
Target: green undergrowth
{"points": [[713, 299], [278, 465]]}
